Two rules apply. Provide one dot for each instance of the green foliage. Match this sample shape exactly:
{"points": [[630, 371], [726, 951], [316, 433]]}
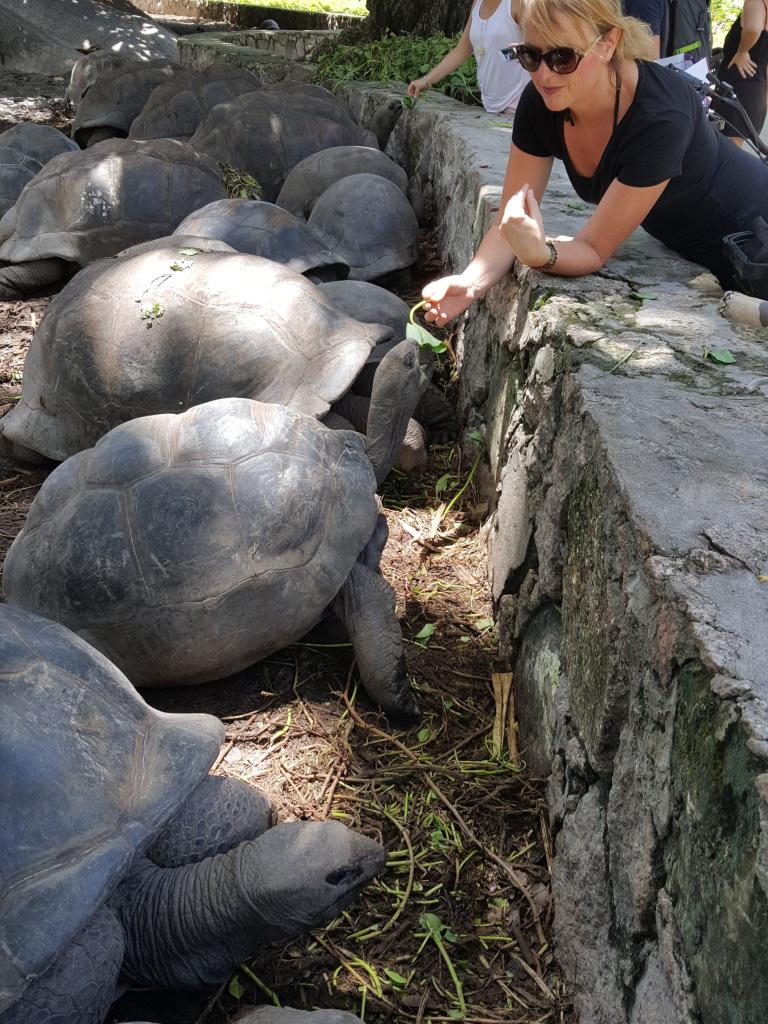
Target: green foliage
{"points": [[724, 13], [239, 184], [312, 6], [400, 59]]}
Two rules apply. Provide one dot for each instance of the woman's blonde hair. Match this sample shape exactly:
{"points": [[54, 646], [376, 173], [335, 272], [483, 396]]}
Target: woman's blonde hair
{"points": [[635, 39]]}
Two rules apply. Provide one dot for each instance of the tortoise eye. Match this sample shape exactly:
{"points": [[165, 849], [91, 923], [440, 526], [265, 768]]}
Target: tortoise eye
{"points": [[409, 360]]}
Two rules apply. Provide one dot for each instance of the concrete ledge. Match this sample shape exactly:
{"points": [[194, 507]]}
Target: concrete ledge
{"points": [[628, 480], [267, 54]]}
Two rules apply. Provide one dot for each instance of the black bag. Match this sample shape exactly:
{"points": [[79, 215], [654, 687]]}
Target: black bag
{"points": [[690, 29]]}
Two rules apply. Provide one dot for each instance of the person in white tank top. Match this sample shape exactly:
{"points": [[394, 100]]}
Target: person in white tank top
{"points": [[492, 25]]}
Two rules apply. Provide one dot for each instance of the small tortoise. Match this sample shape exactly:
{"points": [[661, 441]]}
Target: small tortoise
{"points": [[188, 547], [367, 222], [121, 859], [263, 229], [266, 133], [89, 204], [307, 181], [161, 331], [174, 109]]}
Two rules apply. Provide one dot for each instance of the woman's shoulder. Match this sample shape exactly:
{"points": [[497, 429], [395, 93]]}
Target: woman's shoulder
{"points": [[662, 89]]}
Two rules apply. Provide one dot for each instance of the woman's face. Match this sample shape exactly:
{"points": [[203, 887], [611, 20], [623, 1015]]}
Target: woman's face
{"points": [[560, 92]]}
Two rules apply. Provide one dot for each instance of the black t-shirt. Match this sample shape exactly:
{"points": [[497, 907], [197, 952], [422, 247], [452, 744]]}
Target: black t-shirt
{"points": [[714, 188], [653, 13]]}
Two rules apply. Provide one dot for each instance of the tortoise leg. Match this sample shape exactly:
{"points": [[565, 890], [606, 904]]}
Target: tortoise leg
{"points": [[366, 606], [219, 815], [17, 280], [79, 987], [438, 416]]}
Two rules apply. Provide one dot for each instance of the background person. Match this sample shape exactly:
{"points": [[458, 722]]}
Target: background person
{"points": [[745, 66], [654, 14], [635, 141], [492, 25]]}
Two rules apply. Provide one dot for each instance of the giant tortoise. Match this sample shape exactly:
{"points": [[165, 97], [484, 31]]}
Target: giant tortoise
{"points": [[120, 857], [161, 331], [367, 222], [372, 304], [110, 105], [89, 204], [174, 109], [24, 150], [188, 547], [263, 229], [268, 132], [306, 182], [90, 67]]}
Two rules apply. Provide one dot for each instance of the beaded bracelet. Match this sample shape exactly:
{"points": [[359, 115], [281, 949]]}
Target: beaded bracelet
{"points": [[552, 257]]}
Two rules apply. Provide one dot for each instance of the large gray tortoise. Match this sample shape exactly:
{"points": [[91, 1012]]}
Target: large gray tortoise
{"points": [[121, 860], [264, 229], [367, 222], [375, 305], [86, 205], [116, 98], [268, 132], [161, 331], [307, 181], [174, 109], [188, 547], [24, 150]]}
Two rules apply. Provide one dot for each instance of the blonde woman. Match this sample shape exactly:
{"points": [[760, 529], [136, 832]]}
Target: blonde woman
{"points": [[492, 25], [635, 142]]}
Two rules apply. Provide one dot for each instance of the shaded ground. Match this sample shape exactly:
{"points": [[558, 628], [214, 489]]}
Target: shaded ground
{"points": [[459, 924]]}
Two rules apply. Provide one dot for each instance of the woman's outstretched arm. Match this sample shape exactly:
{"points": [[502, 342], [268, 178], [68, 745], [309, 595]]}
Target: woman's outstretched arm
{"points": [[453, 59], [450, 296]]}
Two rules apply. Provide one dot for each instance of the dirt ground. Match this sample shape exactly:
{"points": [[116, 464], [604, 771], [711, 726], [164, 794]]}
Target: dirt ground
{"points": [[458, 926]]}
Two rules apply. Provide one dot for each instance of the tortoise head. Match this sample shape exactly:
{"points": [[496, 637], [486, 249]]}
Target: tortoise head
{"points": [[400, 381]]}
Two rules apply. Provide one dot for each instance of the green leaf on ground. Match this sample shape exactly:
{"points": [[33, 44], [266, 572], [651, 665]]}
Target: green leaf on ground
{"points": [[236, 988], [425, 632], [477, 436], [395, 978], [639, 296], [445, 481], [719, 355]]}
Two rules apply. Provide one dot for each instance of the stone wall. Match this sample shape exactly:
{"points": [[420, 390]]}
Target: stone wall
{"points": [[265, 53], [243, 15], [628, 550]]}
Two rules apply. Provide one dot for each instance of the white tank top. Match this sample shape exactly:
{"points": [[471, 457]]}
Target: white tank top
{"points": [[500, 81]]}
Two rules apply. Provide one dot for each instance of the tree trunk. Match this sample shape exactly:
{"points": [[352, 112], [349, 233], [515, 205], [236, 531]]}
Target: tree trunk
{"points": [[420, 19]]}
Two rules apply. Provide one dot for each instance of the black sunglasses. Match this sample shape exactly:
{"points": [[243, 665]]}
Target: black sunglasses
{"points": [[563, 60]]}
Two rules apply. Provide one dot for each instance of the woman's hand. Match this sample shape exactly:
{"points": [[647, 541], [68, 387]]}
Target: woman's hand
{"points": [[743, 64], [446, 298], [523, 229], [417, 86]]}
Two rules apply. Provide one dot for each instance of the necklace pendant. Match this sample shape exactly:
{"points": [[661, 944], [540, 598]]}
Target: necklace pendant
{"points": [[481, 51]]}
